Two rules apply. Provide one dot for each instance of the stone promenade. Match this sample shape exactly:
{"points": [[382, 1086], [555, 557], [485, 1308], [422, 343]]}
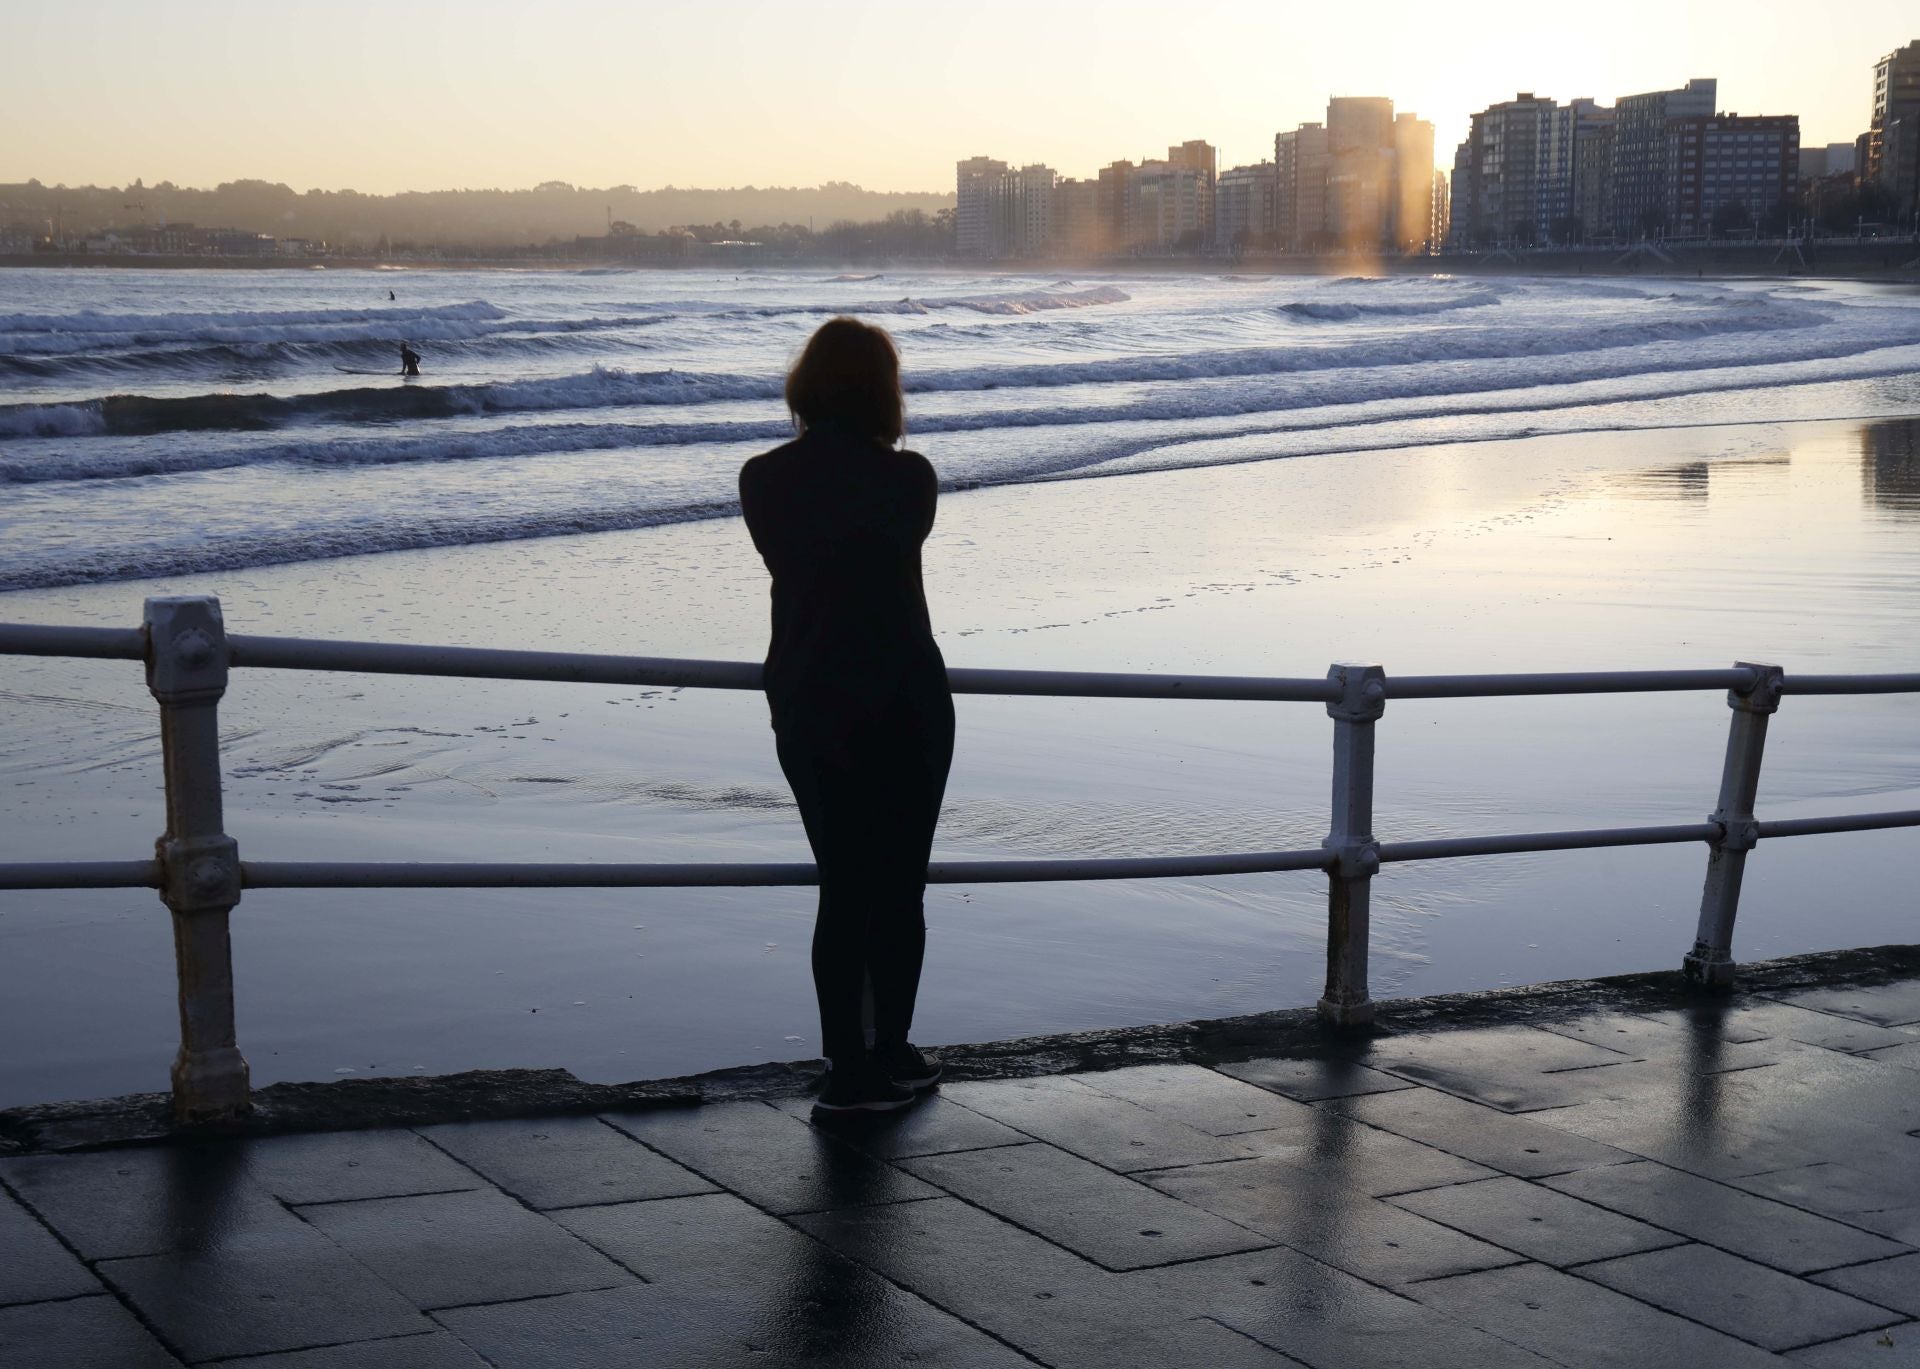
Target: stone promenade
{"points": [[1618, 1183]]}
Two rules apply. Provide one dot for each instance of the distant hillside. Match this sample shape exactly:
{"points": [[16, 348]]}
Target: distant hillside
{"points": [[478, 217]]}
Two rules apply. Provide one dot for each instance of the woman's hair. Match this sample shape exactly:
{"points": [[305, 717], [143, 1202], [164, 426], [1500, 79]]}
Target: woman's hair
{"points": [[848, 377]]}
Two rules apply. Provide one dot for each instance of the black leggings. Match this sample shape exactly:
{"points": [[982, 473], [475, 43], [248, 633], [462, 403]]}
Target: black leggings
{"points": [[870, 812]]}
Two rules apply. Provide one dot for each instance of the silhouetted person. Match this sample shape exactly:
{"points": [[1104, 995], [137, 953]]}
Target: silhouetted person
{"points": [[409, 361], [862, 718], [390, 295]]}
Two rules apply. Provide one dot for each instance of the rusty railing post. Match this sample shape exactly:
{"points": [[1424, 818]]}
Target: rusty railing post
{"points": [[1710, 962], [1362, 700], [199, 863]]}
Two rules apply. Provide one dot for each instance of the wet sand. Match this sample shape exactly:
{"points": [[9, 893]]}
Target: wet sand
{"points": [[1798, 543]]}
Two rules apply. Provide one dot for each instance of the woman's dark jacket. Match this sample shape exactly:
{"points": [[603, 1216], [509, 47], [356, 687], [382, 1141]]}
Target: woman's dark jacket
{"points": [[839, 520]]}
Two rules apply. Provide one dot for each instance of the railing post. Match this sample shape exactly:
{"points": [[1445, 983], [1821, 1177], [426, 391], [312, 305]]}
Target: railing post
{"points": [[199, 863], [1363, 698], [1710, 962]]}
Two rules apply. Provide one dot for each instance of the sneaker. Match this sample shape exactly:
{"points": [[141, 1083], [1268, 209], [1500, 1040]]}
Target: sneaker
{"points": [[865, 1090], [906, 1066]]}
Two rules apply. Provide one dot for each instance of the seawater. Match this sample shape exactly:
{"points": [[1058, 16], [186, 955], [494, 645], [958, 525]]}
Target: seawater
{"points": [[1143, 473]]}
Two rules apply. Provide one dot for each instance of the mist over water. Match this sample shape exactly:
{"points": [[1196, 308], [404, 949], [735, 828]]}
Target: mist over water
{"points": [[1151, 473]]}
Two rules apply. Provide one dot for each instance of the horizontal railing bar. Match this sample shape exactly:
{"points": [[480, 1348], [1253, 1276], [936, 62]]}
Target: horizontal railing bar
{"points": [[295, 874], [1444, 848], [1562, 682], [1851, 684], [397, 658], [486, 663], [392, 658], [81, 874], [106, 643], [1857, 822]]}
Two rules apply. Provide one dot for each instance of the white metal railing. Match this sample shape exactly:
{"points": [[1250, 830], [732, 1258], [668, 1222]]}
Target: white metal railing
{"points": [[197, 867]]}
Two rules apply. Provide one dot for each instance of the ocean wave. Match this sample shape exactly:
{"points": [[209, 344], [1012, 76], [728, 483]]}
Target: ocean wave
{"points": [[602, 387], [1293, 403], [1339, 311], [616, 387]]}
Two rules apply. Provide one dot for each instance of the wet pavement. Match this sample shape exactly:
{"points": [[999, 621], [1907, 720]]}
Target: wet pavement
{"points": [[1731, 1184]]}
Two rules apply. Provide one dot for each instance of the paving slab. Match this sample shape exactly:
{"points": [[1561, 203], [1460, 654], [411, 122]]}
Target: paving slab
{"points": [[1906, 1056], [1575, 1322], [262, 1291], [1892, 1283], [1885, 1199], [933, 1126], [1110, 1219], [117, 1203], [1341, 1226], [35, 1267], [1885, 1005], [1337, 1149], [1787, 1021], [565, 1161], [1516, 1069], [990, 1273], [1637, 1035], [1311, 1080], [450, 1249], [773, 1160], [1758, 1228], [80, 1333], [1744, 1299], [1687, 1127], [1898, 1347], [435, 1350], [337, 1166], [838, 1317], [1202, 1098], [1536, 1222], [1473, 1131], [1202, 1343], [1094, 1125], [713, 1241], [1327, 1318]]}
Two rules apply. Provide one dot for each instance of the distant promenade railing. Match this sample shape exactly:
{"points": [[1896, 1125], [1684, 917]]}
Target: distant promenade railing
{"points": [[198, 871]]}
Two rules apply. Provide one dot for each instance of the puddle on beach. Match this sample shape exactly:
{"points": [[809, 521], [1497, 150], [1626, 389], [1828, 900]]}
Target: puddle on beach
{"points": [[1795, 543]]}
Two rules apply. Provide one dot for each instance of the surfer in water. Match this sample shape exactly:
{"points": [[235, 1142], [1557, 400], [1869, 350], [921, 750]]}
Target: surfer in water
{"points": [[409, 361], [391, 295]]}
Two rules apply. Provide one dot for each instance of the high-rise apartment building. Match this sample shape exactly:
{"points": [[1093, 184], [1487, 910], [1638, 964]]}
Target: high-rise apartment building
{"points": [[1442, 209], [980, 227], [1198, 156], [1502, 175], [1410, 224], [1117, 196], [1727, 172], [1002, 212], [1032, 210], [1893, 139], [1578, 195], [1359, 184], [1243, 206], [1640, 150], [1079, 228], [1300, 161]]}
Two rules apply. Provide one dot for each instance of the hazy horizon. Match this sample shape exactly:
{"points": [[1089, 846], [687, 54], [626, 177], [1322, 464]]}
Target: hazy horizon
{"points": [[438, 96]]}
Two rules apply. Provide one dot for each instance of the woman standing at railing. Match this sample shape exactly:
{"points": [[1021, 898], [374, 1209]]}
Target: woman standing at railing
{"points": [[862, 718]]}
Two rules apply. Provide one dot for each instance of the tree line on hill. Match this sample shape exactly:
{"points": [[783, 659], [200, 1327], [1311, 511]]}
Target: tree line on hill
{"points": [[551, 213]]}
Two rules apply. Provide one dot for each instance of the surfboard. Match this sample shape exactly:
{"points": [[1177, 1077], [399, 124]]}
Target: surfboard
{"points": [[352, 371]]}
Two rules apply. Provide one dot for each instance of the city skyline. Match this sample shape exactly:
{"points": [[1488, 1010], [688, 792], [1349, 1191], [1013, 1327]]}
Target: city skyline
{"points": [[478, 95]]}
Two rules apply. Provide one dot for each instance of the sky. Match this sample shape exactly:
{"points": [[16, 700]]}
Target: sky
{"points": [[434, 94]]}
